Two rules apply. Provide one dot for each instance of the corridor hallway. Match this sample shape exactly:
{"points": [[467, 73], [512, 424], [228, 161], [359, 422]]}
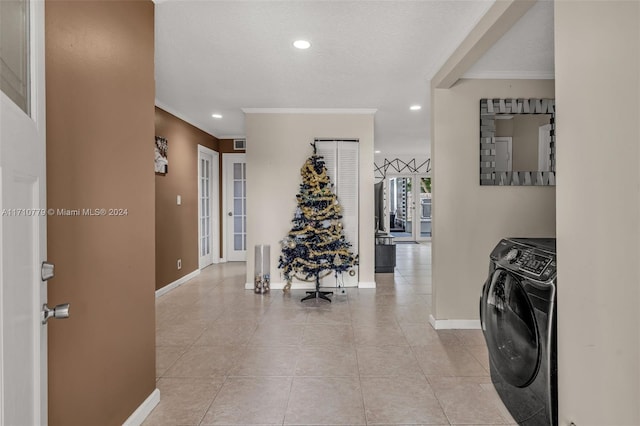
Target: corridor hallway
{"points": [[226, 356]]}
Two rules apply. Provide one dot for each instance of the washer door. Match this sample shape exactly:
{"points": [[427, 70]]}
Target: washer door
{"points": [[510, 330]]}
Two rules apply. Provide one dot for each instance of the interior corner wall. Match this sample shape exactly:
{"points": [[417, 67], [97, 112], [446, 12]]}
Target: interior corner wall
{"points": [[277, 147], [100, 98], [177, 225], [468, 219], [598, 209]]}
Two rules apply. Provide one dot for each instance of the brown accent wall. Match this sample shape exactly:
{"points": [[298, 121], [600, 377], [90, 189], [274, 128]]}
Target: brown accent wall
{"points": [[226, 147], [100, 112], [177, 225]]}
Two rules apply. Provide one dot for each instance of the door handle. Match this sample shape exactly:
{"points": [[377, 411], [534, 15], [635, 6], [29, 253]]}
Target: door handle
{"points": [[230, 214], [58, 312]]}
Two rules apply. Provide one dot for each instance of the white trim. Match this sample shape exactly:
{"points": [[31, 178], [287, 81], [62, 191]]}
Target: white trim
{"points": [[230, 136], [181, 116], [177, 283], [368, 111], [143, 411], [294, 286], [452, 324], [510, 75], [223, 260], [310, 286]]}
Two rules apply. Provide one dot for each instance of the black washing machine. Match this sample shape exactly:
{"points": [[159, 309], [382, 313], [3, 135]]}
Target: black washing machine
{"points": [[518, 317]]}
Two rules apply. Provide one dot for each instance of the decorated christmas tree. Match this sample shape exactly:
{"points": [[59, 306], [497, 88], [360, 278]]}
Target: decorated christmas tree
{"points": [[316, 244]]}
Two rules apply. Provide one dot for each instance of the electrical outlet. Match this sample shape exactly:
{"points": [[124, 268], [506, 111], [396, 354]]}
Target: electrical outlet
{"points": [[179, 264]]}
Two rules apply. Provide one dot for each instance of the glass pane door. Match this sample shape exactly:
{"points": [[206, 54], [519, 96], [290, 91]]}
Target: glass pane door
{"points": [[401, 207], [409, 207], [239, 207], [235, 171], [206, 257], [425, 207]]}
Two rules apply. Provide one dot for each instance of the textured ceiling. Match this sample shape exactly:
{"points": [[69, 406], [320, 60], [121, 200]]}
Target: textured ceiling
{"points": [[222, 56]]}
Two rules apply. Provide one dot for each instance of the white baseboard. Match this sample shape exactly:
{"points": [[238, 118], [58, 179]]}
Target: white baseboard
{"points": [[177, 283], [454, 324], [308, 286], [223, 260], [143, 411], [280, 286]]}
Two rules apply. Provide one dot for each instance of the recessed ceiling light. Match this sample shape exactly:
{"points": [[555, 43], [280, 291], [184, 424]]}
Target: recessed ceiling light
{"points": [[216, 115], [415, 107], [377, 151], [302, 44]]}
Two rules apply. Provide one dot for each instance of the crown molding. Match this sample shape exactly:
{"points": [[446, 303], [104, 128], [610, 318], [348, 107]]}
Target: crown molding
{"points": [[510, 75], [367, 111]]}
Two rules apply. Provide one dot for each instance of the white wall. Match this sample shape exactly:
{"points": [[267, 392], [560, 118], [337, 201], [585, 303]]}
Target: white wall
{"points": [[469, 219], [278, 144], [598, 211]]}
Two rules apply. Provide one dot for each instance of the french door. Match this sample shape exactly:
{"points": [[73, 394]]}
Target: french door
{"points": [[208, 212], [23, 337], [235, 208], [409, 207]]}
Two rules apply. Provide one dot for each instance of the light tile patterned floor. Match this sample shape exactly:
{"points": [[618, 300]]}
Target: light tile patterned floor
{"points": [[226, 356]]}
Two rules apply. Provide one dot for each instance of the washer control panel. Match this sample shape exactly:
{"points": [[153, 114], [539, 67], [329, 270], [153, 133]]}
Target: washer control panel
{"points": [[533, 262], [528, 260]]}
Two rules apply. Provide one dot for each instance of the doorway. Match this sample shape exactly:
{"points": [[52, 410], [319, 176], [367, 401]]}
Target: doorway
{"points": [[208, 238], [409, 207], [23, 225], [235, 207]]}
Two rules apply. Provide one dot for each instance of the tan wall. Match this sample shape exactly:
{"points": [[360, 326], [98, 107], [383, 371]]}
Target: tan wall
{"points": [[598, 97], [100, 97], [469, 219], [177, 225], [273, 179]]}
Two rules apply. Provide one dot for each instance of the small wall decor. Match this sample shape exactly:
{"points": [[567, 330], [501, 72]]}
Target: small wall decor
{"points": [[517, 142], [161, 159]]}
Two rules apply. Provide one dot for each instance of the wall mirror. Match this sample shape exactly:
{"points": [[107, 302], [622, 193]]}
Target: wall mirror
{"points": [[517, 142]]}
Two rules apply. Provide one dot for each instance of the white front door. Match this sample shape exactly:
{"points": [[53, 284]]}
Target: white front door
{"points": [[409, 207], [23, 338], [235, 209], [208, 235]]}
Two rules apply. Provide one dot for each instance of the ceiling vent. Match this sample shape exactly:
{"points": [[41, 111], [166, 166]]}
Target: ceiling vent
{"points": [[239, 144]]}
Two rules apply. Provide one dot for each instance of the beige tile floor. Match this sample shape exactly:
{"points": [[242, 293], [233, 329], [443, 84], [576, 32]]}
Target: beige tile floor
{"points": [[226, 356]]}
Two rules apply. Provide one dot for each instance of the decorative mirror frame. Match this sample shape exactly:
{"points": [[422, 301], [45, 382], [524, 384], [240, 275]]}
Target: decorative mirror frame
{"points": [[489, 108]]}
